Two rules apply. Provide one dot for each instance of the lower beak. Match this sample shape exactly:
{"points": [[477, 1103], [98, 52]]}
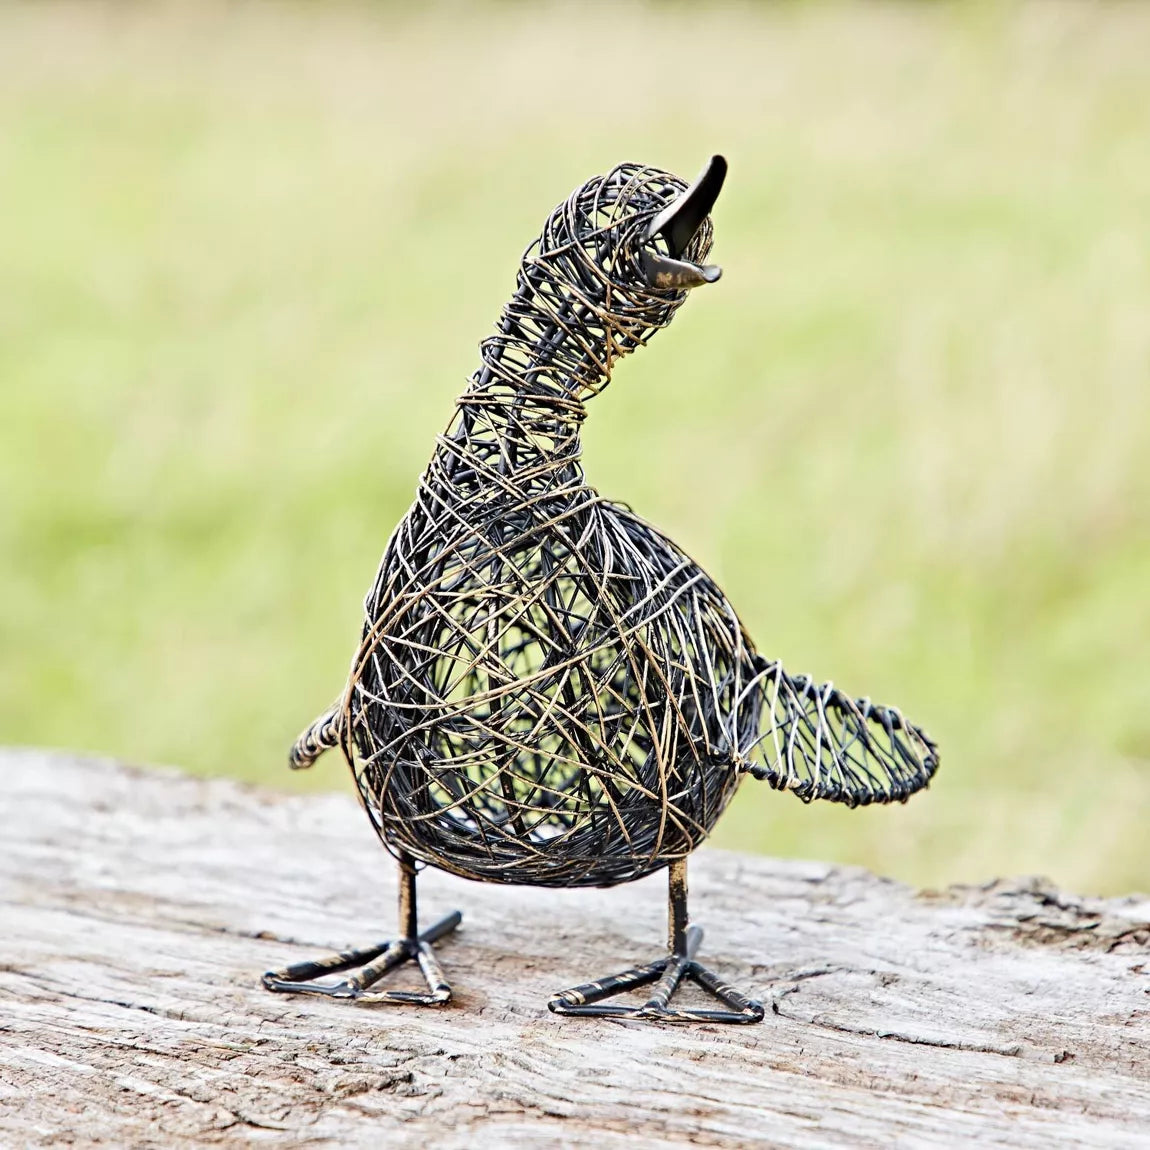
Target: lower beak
{"points": [[676, 275]]}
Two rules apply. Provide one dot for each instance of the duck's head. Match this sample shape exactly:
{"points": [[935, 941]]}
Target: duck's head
{"points": [[616, 260]]}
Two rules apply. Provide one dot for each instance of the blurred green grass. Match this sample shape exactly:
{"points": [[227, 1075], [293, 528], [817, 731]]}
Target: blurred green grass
{"points": [[246, 254]]}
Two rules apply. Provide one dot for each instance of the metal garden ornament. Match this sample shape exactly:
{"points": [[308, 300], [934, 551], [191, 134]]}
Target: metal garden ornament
{"points": [[547, 689]]}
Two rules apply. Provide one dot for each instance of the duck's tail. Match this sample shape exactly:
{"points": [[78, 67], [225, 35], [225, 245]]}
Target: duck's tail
{"points": [[321, 736], [821, 744]]}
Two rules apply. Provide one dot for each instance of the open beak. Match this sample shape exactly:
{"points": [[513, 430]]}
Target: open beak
{"points": [[677, 224]]}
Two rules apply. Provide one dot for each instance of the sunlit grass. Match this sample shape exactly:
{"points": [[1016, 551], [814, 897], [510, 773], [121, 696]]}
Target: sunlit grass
{"points": [[246, 255]]}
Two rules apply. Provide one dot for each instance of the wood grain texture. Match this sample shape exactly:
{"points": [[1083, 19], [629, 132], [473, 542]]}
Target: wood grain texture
{"points": [[140, 907]]}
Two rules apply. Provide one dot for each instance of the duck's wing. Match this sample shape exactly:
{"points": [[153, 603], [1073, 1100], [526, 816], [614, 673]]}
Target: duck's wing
{"points": [[320, 736], [821, 744]]}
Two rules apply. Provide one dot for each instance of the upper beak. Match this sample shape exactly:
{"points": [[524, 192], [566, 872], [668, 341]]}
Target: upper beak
{"points": [[677, 224]]}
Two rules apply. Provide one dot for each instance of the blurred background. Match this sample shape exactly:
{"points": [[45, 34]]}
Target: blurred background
{"points": [[247, 252]]}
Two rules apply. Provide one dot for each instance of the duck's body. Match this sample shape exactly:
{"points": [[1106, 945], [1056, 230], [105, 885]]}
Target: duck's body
{"points": [[532, 702], [548, 690]]}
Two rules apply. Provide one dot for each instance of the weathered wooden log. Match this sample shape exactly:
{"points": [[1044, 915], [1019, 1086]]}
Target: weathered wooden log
{"points": [[140, 907]]}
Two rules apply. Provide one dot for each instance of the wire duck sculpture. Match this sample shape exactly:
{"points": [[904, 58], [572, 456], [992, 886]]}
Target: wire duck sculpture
{"points": [[548, 691]]}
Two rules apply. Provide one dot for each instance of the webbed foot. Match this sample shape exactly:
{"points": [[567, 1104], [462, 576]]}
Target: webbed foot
{"points": [[667, 973], [370, 964]]}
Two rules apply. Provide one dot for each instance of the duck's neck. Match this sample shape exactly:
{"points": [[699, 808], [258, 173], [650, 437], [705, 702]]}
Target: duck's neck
{"points": [[517, 424]]}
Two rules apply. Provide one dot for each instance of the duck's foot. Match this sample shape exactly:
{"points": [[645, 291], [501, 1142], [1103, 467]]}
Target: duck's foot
{"points": [[667, 973], [370, 964]]}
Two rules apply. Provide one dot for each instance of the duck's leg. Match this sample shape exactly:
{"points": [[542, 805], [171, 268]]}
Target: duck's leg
{"points": [[667, 973], [371, 963]]}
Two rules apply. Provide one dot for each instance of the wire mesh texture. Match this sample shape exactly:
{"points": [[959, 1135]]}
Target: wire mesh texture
{"points": [[548, 690]]}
